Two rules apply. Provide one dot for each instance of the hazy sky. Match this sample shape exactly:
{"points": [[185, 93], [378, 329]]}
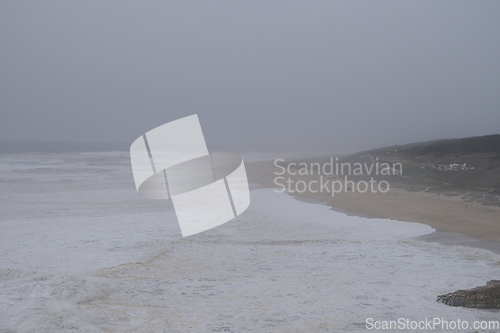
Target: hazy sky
{"points": [[303, 73]]}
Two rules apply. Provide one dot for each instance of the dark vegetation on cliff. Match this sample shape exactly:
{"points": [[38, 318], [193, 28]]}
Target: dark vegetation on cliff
{"points": [[469, 167]]}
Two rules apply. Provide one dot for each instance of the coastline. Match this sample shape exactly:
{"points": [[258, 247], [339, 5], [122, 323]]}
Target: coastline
{"points": [[456, 221], [99, 260]]}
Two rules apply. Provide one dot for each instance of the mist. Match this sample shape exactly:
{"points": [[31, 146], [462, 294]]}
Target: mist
{"points": [[334, 74]]}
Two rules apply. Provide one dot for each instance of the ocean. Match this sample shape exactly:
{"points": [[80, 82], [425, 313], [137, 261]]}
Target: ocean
{"points": [[80, 251]]}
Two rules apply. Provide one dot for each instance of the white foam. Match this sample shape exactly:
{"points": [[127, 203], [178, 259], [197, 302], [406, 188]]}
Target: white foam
{"points": [[89, 256]]}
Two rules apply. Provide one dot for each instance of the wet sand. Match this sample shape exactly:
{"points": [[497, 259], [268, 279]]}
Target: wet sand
{"points": [[444, 213]]}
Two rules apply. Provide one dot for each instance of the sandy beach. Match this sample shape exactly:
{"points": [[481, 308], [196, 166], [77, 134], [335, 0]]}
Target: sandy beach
{"points": [[443, 212], [139, 149]]}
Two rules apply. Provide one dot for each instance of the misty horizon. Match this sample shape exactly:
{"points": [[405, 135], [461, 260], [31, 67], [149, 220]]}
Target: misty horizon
{"points": [[339, 75]]}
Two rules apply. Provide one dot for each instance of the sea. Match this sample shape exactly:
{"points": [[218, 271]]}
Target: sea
{"points": [[80, 251]]}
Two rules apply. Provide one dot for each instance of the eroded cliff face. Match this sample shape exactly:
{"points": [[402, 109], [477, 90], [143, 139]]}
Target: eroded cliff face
{"points": [[483, 297]]}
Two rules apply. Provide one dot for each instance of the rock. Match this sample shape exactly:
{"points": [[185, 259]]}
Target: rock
{"points": [[484, 297], [493, 283]]}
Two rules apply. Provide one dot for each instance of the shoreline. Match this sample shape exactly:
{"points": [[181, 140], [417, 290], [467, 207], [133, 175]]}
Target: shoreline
{"points": [[455, 221], [437, 236]]}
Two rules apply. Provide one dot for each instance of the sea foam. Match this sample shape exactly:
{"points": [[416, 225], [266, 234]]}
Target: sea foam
{"points": [[81, 252]]}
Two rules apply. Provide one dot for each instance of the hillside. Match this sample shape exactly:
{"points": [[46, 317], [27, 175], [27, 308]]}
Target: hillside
{"points": [[469, 167], [472, 145]]}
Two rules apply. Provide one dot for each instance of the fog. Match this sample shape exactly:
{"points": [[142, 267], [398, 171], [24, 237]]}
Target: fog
{"points": [[335, 74]]}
